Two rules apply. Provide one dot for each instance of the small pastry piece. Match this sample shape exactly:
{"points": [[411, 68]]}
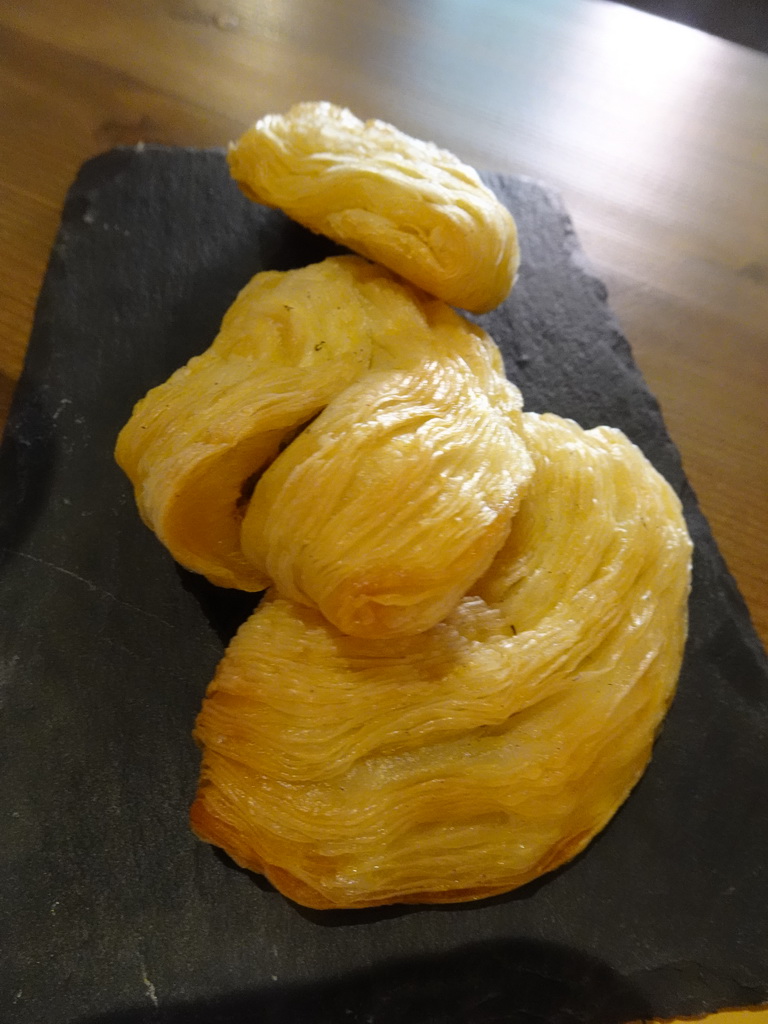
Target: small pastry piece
{"points": [[390, 504], [399, 201], [475, 757]]}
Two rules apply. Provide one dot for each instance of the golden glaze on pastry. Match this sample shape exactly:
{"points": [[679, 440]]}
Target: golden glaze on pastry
{"points": [[399, 201], [390, 504], [473, 758]]}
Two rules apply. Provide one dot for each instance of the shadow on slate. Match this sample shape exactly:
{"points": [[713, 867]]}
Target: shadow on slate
{"points": [[117, 913], [515, 982]]}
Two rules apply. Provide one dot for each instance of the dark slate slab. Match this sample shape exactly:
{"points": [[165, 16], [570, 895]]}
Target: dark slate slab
{"points": [[112, 911]]}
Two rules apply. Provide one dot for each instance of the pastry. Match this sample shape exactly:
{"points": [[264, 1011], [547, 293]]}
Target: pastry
{"points": [[475, 757], [384, 509], [399, 201]]}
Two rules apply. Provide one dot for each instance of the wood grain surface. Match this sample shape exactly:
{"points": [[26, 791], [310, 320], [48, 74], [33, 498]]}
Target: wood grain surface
{"points": [[656, 134]]}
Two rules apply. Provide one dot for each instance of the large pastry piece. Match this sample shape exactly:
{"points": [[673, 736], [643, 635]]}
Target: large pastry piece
{"points": [[400, 201], [485, 752]]}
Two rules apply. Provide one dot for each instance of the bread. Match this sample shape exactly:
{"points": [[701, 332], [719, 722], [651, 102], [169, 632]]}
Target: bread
{"points": [[401, 202]]}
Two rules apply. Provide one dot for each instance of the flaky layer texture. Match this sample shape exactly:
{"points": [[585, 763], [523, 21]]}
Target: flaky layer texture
{"points": [[397, 200], [390, 504], [471, 759]]}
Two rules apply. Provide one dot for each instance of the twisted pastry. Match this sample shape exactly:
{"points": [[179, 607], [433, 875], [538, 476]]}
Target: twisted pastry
{"points": [[395, 498], [194, 442], [471, 759], [399, 201], [476, 617]]}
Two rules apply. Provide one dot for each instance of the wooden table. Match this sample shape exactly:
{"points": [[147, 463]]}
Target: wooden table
{"points": [[656, 134]]}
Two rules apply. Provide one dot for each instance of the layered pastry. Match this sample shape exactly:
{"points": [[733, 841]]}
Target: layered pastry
{"points": [[475, 616], [400, 201], [407, 399], [484, 752]]}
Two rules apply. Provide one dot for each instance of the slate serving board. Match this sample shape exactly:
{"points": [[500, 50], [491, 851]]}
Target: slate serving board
{"points": [[111, 909]]}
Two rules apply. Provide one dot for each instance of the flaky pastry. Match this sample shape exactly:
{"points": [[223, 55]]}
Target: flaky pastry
{"points": [[490, 749], [390, 504], [195, 441], [399, 201], [476, 617]]}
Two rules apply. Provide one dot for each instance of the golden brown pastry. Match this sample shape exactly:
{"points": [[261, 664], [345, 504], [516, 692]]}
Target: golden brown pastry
{"points": [[399, 201], [473, 758], [395, 498], [286, 346]]}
